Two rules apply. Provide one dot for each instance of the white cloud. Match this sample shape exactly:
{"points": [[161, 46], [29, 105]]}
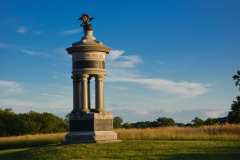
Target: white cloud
{"points": [[143, 112], [35, 53], [179, 89], [118, 61], [117, 87], [68, 32], [9, 87], [46, 94], [56, 77], [215, 113], [114, 54], [22, 30], [118, 71], [125, 61]]}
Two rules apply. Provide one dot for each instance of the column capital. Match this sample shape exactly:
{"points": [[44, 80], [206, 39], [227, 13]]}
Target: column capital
{"points": [[100, 77], [84, 76]]}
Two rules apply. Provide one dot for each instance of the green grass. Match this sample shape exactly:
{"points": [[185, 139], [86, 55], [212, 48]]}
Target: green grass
{"points": [[130, 149]]}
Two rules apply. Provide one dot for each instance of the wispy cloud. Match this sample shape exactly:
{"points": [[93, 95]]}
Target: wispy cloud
{"points": [[2, 45], [68, 32], [178, 89], [118, 104], [63, 53], [114, 54], [38, 32], [22, 30], [15, 103], [35, 53], [46, 94], [118, 61], [159, 62], [63, 74], [9, 87], [121, 69]]}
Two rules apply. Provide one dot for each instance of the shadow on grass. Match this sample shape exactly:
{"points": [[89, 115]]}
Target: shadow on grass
{"points": [[21, 155], [57, 151]]}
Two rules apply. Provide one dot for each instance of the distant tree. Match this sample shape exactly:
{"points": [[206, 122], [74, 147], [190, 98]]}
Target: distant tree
{"points": [[67, 117], [127, 125], [180, 124], [32, 122], [165, 122], [117, 122], [237, 77], [234, 113], [142, 124], [197, 122], [210, 121]]}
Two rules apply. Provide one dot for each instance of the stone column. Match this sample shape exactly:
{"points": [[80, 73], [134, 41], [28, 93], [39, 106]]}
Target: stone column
{"points": [[84, 92], [76, 94], [99, 93], [89, 93]]}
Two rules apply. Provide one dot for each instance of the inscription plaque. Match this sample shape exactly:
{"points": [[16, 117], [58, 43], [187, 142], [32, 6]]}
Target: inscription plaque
{"points": [[81, 125], [103, 125]]}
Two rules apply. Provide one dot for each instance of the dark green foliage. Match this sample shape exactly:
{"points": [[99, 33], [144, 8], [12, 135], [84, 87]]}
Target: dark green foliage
{"points": [[197, 122], [180, 124], [127, 125], [117, 122], [237, 77], [210, 121], [222, 120], [234, 113], [32, 122], [165, 122]]}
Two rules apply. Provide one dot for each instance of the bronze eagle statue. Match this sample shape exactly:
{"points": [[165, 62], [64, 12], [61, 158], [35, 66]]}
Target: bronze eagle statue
{"points": [[86, 19]]}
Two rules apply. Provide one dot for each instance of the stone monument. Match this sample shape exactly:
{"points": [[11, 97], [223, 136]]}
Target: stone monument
{"points": [[87, 125]]}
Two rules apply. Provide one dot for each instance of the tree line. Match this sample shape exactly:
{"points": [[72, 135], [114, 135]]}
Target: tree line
{"points": [[167, 122], [12, 124]]}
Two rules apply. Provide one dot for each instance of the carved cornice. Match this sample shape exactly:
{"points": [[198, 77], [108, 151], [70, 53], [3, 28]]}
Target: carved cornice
{"points": [[88, 48]]}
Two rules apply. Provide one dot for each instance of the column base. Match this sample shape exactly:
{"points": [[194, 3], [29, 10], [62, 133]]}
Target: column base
{"points": [[91, 137]]}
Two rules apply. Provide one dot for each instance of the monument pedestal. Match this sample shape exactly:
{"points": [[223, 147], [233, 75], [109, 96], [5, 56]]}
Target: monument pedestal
{"points": [[91, 128], [91, 137]]}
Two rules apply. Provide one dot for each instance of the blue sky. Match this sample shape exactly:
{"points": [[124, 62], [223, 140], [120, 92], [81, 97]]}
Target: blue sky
{"points": [[168, 59]]}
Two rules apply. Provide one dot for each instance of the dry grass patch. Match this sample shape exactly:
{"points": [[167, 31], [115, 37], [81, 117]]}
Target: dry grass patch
{"points": [[31, 140], [219, 132]]}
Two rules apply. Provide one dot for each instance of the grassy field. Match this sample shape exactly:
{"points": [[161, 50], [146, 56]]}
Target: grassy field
{"points": [[31, 140], [207, 142], [224, 132], [131, 149]]}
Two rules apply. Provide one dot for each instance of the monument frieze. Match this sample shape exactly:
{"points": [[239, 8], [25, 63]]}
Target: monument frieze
{"points": [[88, 64]]}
